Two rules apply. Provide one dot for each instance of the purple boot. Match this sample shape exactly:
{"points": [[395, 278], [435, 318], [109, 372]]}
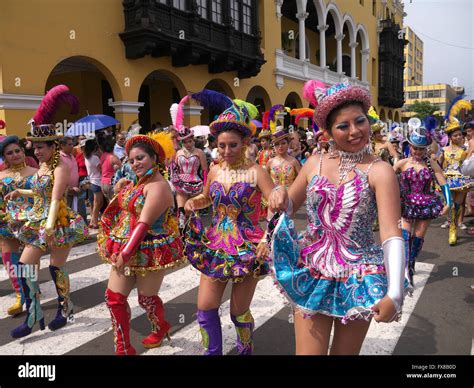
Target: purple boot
{"points": [[211, 331], [244, 325]]}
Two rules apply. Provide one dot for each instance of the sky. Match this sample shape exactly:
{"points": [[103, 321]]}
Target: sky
{"points": [[441, 25]]}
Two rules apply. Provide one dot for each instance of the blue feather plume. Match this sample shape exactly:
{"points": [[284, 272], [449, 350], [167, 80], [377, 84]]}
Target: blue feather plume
{"points": [[451, 106], [210, 98], [430, 123]]}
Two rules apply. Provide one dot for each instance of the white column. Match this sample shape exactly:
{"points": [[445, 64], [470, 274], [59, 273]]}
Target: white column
{"points": [[365, 59], [339, 38], [126, 106], [322, 45], [302, 34], [353, 46], [278, 4]]}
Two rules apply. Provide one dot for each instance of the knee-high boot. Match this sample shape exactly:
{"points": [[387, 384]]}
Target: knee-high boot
{"points": [[244, 325], [11, 261], [407, 237], [417, 244], [453, 224], [120, 314], [65, 306], [29, 282], [160, 327], [211, 331]]}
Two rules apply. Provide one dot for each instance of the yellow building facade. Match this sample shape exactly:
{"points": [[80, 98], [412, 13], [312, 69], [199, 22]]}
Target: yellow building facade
{"points": [[77, 43], [440, 95], [413, 75]]}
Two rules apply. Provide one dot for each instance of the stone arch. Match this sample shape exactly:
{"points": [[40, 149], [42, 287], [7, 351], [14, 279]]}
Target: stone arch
{"points": [[258, 96], [158, 90], [382, 114]]}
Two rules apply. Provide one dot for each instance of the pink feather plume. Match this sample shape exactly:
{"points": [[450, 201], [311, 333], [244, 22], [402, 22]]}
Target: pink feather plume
{"points": [[309, 91], [180, 112], [51, 103]]}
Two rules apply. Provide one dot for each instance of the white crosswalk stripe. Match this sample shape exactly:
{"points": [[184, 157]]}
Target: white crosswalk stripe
{"points": [[94, 321]]}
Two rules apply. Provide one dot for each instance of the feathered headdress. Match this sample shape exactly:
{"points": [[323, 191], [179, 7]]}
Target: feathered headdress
{"points": [[430, 123], [3, 124], [42, 128], [451, 122], [325, 99], [302, 113], [272, 118]]}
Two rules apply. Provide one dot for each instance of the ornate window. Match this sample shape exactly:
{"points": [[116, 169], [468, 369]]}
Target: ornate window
{"points": [[247, 16], [180, 4], [217, 11], [235, 14], [202, 4]]}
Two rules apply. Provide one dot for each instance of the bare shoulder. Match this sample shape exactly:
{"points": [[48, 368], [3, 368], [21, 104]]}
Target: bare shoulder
{"points": [[380, 173]]}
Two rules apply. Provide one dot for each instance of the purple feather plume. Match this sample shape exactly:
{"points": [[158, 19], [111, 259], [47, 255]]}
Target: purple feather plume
{"points": [[51, 103], [210, 98], [273, 111]]}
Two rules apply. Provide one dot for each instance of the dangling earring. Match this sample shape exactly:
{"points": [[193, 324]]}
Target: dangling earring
{"points": [[332, 149]]}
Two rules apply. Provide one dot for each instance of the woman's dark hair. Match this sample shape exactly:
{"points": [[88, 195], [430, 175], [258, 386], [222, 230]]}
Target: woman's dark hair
{"points": [[145, 148], [107, 144], [237, 132], [450, 134], [332, 116], [89, 148], [8, 143]]}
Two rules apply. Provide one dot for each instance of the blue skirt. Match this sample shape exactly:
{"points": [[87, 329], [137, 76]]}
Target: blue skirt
{"points": [[312, 293]]}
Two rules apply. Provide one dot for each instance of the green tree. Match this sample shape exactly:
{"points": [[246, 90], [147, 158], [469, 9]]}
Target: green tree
{"points": [[423, 109]]}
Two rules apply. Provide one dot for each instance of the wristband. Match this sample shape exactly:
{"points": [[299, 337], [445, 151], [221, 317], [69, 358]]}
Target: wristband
{"points": [[394, 260], [134, 241]]}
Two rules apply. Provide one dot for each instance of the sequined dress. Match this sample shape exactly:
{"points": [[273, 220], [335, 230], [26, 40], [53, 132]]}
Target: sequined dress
{"points": [[452, 170], [335, 267], [185, 176], [7, 185], [161, 247], [284, 174], [418, 198], [28, 225], [227, 249]]}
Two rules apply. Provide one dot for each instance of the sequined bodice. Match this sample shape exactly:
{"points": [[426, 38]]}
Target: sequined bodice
{"points": [[416, 182], [131, 201], [189, 165], [283, 174], [235, 218], [340, 221], [453, 160]]}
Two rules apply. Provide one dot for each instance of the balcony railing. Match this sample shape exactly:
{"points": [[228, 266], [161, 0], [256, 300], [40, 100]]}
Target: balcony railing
{"points": [[293, 68]]}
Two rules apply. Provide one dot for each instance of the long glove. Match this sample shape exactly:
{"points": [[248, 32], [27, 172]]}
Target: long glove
{"points": [[394, 260], [52, 217], [135, 240], [447, 194]]}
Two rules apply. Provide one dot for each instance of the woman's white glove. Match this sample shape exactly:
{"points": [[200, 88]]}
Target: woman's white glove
{"points": [[394, 260]]}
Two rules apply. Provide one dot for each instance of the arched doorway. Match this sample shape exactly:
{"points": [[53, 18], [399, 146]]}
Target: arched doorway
{"points": [[90, 81], [260, 98], [158, 91], [382, 114], [292, 101]]}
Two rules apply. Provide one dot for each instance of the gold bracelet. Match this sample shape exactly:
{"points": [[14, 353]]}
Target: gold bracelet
{"points": [[52, 217], [28, 193]]}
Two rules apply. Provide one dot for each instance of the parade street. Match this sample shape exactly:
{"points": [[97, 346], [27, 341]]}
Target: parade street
{"points": [[437, 320]]}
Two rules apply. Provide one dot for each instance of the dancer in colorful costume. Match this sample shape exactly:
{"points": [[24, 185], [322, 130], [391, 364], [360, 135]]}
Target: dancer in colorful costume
{"points": [[451, 161], [233, 248], [139, 236], [266, 153], [49, 224], [283, 167], [420, 203], [336, 274], [17, 175], [188, 163], [382, 148]]}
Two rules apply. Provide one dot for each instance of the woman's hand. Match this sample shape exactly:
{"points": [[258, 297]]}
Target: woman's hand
{"points": [[120, 185], [50, 240], [119, 264], [385, 310], [278, 200], [12, 195], [262, 250], [189, 206]]}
